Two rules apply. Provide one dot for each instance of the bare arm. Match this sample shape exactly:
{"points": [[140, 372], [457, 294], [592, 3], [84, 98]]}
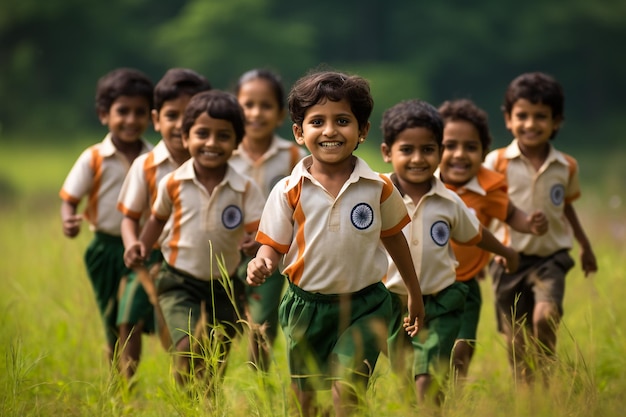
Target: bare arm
{"points": [[587, 257], [491, 244], [135, 255], [263, 265], [399, 250], [536, 223], [69, 219]]}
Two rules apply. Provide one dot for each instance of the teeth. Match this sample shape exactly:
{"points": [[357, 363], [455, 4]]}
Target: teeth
{"points": [[329, 144]]}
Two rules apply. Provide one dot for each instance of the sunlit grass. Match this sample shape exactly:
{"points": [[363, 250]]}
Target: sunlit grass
{"points": [[51, 339]]}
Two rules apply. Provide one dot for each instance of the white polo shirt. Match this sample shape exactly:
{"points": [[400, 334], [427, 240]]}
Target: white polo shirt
{"points": [[99, 173], [439, 216], [274, 165], [547, 189], [206, 227], [332, 245]]}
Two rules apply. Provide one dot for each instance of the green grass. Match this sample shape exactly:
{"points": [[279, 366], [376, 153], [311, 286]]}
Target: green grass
{"points": [[51, 340]]}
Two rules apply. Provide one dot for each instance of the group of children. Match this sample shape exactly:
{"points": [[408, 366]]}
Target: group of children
{"points": [[225, 223]]}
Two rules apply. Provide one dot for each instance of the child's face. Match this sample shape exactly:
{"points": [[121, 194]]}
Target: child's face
{"points": [[462, 152], [330, 131], [414, 155], [211, 142], [260, 106], [168, 121], [532, 124], [128, 118]]}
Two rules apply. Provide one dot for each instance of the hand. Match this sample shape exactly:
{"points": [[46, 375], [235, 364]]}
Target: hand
{"points": [[588, 261], [71, 225], [538, 223], [134, 255], [259, 269], [415, 319]]}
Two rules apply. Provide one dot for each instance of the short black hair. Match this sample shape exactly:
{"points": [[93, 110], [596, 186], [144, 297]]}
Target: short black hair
{"points": [[466, 110], [536, 87], [411, 113], [219, 105], [178, 82], [317, 87], [122, 82]]}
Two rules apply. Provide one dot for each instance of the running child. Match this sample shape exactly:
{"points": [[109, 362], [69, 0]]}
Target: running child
{"points": [[136, 313], [211, 207], [530, 302], [323, 224], [267, 158], [412, 143], [123, 103], [466, 141]]}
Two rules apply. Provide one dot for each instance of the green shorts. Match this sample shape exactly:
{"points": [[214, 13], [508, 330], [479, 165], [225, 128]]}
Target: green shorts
{"points": [[181, 297], [432, 347], [471, 312], [537, 279], [263, 300], [104, 259], [334, 336], [134, 304]]}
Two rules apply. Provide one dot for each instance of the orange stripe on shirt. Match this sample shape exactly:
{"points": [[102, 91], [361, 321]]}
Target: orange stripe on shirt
{"points": [[91, 211], [150, 173], [572, 166], [173, 189]]}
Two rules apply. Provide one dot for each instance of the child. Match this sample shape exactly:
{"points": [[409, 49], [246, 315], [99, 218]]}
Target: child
{"points": [[412, 143], [335, 312], [541, 177], [266, 158], [211, 206], [123, 103], [136, 312], [466, 141]]}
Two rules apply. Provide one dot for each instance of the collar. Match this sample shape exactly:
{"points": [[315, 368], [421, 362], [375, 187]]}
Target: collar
{"points": [[301, 170], [108, 148], [513, 151], [236, 181]]}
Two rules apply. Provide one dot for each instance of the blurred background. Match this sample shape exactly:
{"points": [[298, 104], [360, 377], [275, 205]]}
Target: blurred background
{"points": [[52, 54]]}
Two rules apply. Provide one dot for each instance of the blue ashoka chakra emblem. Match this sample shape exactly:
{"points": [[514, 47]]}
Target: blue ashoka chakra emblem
{"points": [[440, 232], [232, 217], [557, 194], [362, 216]]}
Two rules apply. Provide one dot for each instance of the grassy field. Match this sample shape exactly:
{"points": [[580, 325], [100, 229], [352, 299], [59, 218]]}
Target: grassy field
{"points": [[51, 340]]}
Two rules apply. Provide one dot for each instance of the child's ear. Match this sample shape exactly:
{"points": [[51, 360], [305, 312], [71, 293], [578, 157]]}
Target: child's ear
{"points": [[363, 132], [507, 120], [385, 151], [298, 134], [155, 119], [186, 141], [103, 116]]}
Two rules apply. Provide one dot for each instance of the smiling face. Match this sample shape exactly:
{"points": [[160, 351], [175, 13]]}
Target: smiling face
{"points": [[414, 156], [211, 142], [463, 152], [330, 132], [127, 118], [261, 108], [532, 124], [168, 121]]}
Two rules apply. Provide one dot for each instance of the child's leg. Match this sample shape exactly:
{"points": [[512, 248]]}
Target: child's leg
{"points": [[130, 348], [263, 304], [305, 400], [463, 350]]}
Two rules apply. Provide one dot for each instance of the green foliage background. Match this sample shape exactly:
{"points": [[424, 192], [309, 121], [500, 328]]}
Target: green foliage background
{"points": [[52, 53]]}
